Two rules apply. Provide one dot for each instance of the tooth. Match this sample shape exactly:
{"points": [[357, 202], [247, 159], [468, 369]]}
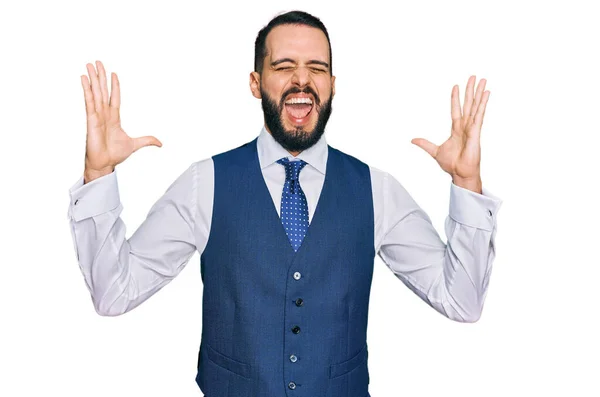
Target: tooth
{"points": [[300, 100]]}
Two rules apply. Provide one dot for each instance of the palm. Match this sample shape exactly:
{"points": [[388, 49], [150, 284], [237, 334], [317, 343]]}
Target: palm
{"points": [[107, 144], [460, 155]]}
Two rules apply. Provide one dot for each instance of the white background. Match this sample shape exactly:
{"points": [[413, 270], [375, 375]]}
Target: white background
{"points": [[184, 70]]}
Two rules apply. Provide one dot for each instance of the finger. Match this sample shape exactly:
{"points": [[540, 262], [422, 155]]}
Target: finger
{"points": [[143, 141], [102, 79], [424, 144], [95, 86], [455, 104], [115, 91], [478, 94], [468, 97], [481, 109], [90, 108]]}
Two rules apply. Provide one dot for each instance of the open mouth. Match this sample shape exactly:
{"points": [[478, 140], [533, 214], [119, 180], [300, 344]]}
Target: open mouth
{"points": [[298, 109]]}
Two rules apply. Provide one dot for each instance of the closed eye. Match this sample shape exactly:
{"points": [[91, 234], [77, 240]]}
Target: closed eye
{"points": [[315, 70]]}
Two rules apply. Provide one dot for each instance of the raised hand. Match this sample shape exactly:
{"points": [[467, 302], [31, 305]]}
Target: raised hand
{"points": [[460, 155], [106, 143]]}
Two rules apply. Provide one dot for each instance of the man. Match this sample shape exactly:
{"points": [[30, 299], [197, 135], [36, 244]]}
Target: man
{"points": [[287, 228]]}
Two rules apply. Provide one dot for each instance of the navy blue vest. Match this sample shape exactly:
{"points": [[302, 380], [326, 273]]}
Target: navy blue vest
{"points": [[277, 322]]}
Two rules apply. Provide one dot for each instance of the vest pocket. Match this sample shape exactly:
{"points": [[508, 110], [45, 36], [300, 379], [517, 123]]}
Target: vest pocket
{"points": [[222, 376], [340, 369], [350, 378], [230, 364]]}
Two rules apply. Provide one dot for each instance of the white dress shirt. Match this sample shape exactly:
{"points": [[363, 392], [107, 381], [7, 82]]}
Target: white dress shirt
{"points": [[122, 273]]}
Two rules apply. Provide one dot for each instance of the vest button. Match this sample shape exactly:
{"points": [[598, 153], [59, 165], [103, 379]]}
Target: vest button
{"points": [[299, 302], [292, 385], [296, 329], [297, 275], [293, 358]]}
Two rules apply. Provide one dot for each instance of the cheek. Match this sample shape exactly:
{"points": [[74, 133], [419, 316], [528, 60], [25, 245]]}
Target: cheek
{"points": [[274, 84], [324, 88]]}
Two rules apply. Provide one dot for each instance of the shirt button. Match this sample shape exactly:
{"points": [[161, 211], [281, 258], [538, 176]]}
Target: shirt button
{"points": [[296, 329], [489, 213], [293, 358], [292, 385], [299, 302], [297, 275], [75, 203]]}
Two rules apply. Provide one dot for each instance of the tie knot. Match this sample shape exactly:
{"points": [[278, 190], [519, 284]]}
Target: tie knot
{"points": [[292, 168]]}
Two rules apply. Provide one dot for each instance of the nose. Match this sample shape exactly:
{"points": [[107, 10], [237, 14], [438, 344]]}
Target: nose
{"points": [[301, 76]]}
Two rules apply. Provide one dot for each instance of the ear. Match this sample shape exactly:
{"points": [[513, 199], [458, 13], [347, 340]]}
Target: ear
{"points": [[332, 86], [255, 84]]}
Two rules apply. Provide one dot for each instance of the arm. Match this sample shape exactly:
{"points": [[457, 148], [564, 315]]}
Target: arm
{"points": [[452, 278], [122, 273]]}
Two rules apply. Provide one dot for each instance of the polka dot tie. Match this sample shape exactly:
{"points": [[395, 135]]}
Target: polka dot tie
{"points": [[294, 210]]}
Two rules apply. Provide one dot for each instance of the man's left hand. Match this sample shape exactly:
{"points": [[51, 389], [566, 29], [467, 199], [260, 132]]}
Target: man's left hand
{"points": [[460, 155]]}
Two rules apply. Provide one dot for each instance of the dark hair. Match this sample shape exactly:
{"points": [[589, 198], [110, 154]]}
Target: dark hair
{"points": [[289, 18]]}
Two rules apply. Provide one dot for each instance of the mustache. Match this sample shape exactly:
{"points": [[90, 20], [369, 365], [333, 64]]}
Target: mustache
{"points": [[296, 90]]}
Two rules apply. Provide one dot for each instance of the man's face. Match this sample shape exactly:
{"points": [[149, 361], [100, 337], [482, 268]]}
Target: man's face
{"points": [[295, 86]]}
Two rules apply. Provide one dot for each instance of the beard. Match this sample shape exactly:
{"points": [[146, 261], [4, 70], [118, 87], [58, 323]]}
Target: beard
{"points": [[297, 139]]}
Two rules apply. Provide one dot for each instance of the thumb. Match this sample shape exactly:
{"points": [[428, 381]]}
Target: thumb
{"points": [[424, 144], [143, 141]]}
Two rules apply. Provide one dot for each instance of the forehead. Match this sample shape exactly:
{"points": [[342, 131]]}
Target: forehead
{"points": [[297, 42]]}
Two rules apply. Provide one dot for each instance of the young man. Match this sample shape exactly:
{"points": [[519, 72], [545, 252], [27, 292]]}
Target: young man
{"points": [[287, 228]]}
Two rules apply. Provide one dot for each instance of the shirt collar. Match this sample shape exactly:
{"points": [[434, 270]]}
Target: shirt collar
{"points": [[269, 151]]}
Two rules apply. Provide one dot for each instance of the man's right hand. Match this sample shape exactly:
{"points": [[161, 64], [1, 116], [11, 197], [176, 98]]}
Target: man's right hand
{"points": [[106, 143]]}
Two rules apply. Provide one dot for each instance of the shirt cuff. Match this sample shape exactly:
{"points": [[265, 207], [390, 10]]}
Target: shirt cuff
{"points": [[473, 209], [94, 198]]}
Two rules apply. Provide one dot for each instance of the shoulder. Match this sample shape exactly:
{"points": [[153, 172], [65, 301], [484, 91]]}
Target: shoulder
{"points": [[237, 156], [377, 173], [349, 161], [202, 168], [386, 185]]}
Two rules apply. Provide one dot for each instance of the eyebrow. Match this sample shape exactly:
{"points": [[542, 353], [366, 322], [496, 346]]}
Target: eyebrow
{"points": [[311, 62]]}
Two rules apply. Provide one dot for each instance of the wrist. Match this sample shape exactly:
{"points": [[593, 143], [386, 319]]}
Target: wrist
{"points": [[473, 184], [91, 174]]}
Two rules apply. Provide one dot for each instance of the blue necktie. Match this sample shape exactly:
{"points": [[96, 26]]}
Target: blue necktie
{"points": [[294, 210]]}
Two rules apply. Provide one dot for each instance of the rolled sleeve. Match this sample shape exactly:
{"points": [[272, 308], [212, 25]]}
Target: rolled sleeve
{"points": [[94, 198], [474, 209]]}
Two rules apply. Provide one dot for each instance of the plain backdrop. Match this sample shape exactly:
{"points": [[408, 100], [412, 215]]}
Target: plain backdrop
{"points": [[184, 70]]}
